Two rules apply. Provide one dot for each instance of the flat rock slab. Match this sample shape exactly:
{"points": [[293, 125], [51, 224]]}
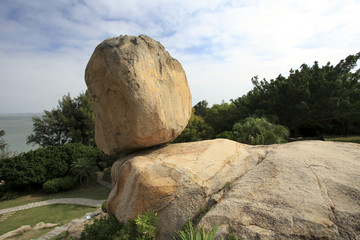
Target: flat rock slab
{"points": [[299, 190]]}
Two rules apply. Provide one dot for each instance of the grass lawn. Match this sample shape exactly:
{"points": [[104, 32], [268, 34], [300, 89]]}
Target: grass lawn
{"points": [[93, 191], [354, 139], [57, 213]]}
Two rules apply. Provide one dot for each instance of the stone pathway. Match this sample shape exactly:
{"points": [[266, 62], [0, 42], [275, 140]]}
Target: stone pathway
{"points": [[76, 201], [4, 216]]}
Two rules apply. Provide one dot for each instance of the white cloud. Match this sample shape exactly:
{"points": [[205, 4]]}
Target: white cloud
{"points": [[44, 46]]}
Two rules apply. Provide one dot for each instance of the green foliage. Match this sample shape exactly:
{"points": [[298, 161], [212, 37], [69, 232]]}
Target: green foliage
{"points": [[4, 151], [143, 228], [201, 108], [67, 183], [83, 168], [226, 134], [72, 121], [57, 184], [196, 130], [104, 207], [233, 237], [33, 168], [106, 229], [51, 186], [2, 143], [8, 195], [310, 100], [258, 131], [221, 117], [145, 225], [189, 233]]}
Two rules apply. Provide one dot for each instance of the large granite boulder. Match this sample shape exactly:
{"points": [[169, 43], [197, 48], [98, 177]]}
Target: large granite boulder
{"points": [[140, 94], [300, 190]]}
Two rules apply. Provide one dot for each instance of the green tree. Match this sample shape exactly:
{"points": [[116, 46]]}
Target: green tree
{"points": [[72, 121], [310, 100], [196, 130], [221, 117], [49, 130], [2, 142], [258, 131], [84, 168], [4, 150], [201, 108], [31, 169], [3, 145]]}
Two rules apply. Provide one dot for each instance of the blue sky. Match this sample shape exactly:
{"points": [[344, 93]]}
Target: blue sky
{"points": [[46, 44]]}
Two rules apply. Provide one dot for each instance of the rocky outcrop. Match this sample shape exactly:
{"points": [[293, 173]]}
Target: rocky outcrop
{"points": [[42, 225], [300, 190], [16, 232], [140, 94]]}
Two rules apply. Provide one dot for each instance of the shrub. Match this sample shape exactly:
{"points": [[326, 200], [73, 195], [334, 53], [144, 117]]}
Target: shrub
{"points": [[104, 207], [143, 228], [67, 183], [83, 168], [57, 184], [52, 186], [34, 168], [197, 129], [189, 233], [145, 225], [257, 131], [227, 135], [8, 195]]}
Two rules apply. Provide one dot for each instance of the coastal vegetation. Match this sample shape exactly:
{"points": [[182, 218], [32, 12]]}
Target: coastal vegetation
{"points": [[313, 101]]}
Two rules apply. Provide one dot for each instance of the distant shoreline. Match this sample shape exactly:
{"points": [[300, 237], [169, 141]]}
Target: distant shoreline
{"points": [[21, 114]]}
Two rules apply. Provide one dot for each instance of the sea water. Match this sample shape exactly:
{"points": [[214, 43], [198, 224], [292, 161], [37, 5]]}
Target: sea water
{"points": [[17, 128]]}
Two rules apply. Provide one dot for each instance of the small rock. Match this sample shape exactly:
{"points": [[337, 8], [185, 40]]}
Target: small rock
{"points": [[74, 231], [41, 225], [16, 232]]}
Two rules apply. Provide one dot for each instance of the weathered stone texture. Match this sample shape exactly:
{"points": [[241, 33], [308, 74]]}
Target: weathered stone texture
{"points": [[140, 94], [300, 190]]}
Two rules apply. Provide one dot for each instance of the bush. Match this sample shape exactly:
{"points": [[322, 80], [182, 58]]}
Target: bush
{"points": [[227, 135], [189, 233], [8, 195], [57, 184], [258, 131], [145, 225], [34, 168], [197, 129], [143, 228], [67, 183], [51, 186], [104, 207]]}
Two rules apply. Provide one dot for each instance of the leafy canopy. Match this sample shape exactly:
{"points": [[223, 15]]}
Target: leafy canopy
{"points": [[72, 121], [258, 131]]}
